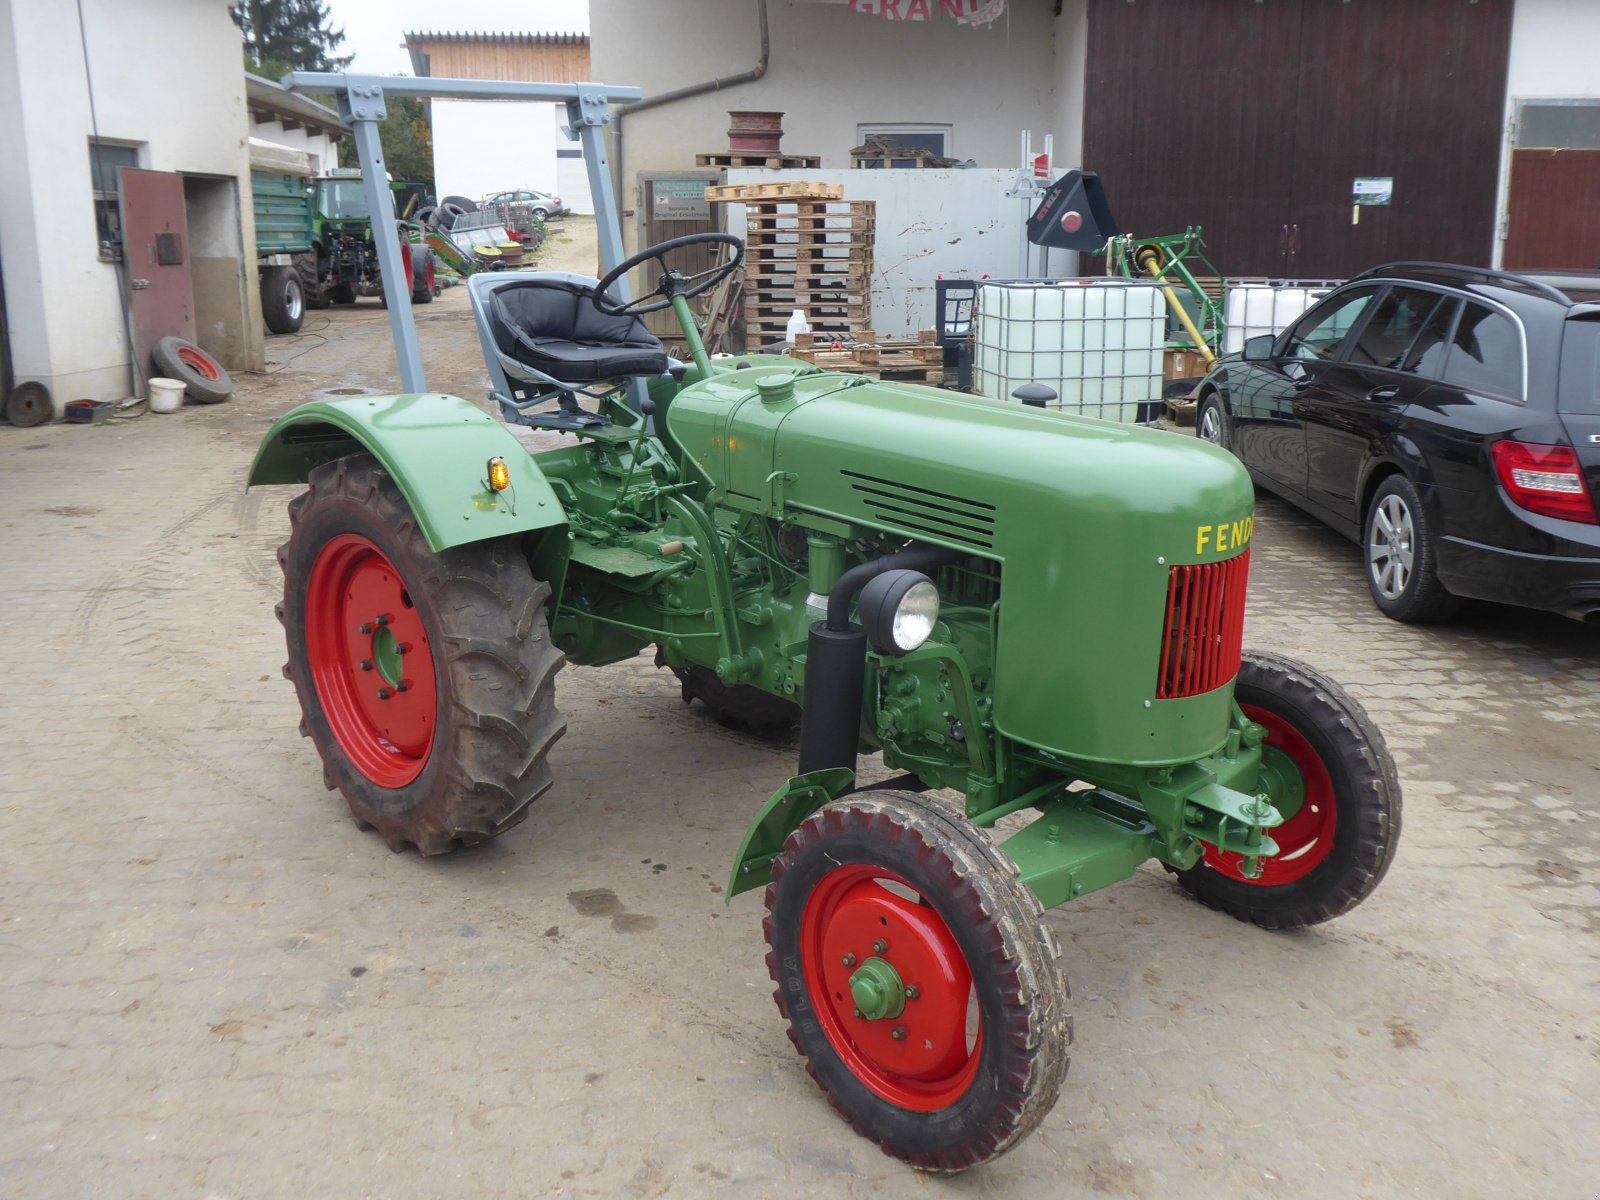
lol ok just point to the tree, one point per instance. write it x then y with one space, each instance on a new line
293 35
407 141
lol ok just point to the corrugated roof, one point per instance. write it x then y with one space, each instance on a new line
502 39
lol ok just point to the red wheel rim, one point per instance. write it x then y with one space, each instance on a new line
1306 837
370 661
934 1062
199 362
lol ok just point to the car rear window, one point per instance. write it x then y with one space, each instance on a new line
1580 365
1485 353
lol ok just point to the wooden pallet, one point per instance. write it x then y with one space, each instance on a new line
869 350
811 211
766 277
743 193
776 162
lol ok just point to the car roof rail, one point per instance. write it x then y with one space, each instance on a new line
1477 274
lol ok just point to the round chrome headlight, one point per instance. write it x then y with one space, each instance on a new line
899 610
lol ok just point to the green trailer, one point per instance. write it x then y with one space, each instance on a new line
284 224
1035 619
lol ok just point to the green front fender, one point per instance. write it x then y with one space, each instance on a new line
436 448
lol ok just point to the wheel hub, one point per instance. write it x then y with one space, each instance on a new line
878 992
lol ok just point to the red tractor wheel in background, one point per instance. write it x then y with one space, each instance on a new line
918 979
426 681
422 282
405 264
1328 772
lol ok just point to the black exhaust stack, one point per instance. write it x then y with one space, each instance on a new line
836 663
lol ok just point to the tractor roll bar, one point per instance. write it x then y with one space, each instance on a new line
362 106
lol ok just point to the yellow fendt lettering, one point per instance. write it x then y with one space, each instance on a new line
1202 535
1234 536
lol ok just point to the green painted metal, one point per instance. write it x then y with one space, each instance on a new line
780 816
282 213
436 448
878 991
1178 250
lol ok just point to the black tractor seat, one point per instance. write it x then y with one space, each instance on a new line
553 326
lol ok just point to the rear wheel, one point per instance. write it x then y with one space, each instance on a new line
1328 771
739 707
283 301
1210 422
918 979
1402 565
421 275
427 681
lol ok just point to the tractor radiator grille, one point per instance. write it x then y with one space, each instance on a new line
1204 628
920 510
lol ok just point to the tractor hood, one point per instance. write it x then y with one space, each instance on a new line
1087 518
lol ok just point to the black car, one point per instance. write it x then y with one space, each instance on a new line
1448 419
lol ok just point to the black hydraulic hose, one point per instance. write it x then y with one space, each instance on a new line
916 558
683 93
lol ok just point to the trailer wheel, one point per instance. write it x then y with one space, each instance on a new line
283 301
203 377
1329 772
426 681
305 266
918 979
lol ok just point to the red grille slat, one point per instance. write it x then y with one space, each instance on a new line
1203 634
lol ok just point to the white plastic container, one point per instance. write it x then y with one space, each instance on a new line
1097 342
798 324
166 395
1253 308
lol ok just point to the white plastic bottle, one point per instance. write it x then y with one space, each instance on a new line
798 323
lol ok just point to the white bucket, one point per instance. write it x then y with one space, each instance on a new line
166 395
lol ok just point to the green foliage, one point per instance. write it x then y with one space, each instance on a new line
289 35
407 141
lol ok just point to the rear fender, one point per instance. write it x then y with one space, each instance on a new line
436 448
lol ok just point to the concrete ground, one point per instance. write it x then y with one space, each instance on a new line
213 985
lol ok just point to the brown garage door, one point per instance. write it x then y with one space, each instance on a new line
1255 120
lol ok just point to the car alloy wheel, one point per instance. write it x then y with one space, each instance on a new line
1391 547
1210 426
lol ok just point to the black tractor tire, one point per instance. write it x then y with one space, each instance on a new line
464 203
976 1097
741 707
283 300
305 266
422 284
1419 598
474 620
1329 862
1211 421
342 293
203 377
446 215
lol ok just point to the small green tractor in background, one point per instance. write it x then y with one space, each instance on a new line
346 259
1038 613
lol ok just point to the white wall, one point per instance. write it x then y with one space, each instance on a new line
66 322
323 150
572 174
959 223
832 69
1552 58
482 146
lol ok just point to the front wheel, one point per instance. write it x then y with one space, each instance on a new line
918 979
426 681
1327 770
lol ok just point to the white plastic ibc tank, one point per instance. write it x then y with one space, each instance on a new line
1252 309
1098 343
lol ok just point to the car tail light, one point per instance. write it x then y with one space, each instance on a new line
1204 630
1543 479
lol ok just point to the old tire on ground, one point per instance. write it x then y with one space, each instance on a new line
427 681
464 203
203 377
305 266
977 1055
1328 770
739 707
1401 560
283 300
421 275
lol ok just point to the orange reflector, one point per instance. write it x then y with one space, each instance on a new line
499 475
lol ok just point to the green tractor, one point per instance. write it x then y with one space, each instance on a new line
1037 613
346 257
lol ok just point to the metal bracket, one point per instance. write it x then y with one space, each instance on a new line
363 102
589 108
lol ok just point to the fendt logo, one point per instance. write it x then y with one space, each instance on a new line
1223 537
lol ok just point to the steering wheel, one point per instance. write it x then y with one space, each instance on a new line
671 283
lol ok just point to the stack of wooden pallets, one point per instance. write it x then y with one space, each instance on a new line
807 249
910 360
744 158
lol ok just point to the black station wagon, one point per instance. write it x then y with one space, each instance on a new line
1448 419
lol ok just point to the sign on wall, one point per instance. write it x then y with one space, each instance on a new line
967 12
680 200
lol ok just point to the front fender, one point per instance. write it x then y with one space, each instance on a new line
780 816
436 448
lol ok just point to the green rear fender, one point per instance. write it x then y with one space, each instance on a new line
436 448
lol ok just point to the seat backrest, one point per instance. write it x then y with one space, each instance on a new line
562 309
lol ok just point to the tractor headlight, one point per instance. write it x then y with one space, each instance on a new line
899 610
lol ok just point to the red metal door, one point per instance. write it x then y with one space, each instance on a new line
155 245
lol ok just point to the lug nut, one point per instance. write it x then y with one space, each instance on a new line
912 991
849 960
402 686
383 619
365 628
880 946
858 1012
898 1033
384 693
403 648
366 664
